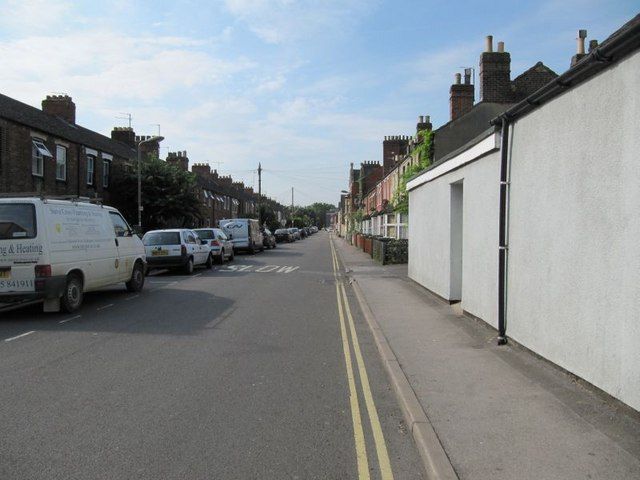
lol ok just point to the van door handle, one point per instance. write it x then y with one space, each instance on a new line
117 244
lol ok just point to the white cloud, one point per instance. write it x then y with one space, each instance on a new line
104 66
32 15
279 21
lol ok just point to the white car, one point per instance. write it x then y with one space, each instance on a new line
176 248
56 250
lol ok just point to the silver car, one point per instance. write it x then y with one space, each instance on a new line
221 246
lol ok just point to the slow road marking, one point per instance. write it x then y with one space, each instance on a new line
258 269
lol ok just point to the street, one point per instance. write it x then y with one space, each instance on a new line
250 370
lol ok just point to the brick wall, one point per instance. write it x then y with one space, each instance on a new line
16 166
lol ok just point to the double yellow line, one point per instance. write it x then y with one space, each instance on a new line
374 420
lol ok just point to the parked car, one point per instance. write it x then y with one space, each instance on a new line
314 229
176 248
56 250
269 239
221 246
244 233
296 233
284 235
303 233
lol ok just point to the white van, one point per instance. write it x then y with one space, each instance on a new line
57 249
244 233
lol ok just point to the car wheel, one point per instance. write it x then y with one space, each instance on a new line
232 255
188 268
72 296
137 278
220 258
252 249
209 263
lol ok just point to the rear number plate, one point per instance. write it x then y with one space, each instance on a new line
5 273
159 253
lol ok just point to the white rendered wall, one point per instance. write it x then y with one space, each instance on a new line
574 233
429 235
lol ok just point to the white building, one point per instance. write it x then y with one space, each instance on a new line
570 287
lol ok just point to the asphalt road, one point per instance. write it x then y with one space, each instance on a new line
236 373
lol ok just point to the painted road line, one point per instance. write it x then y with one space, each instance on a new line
103 307
358 432
376 427
69 319
374 420
196 275
356 416
19 336
131 298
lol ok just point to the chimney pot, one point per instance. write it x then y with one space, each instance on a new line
582 34
488 44
457 77
501 47
593 44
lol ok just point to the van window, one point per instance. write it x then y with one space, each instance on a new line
17 220
119 224
161 238
205 234
190 237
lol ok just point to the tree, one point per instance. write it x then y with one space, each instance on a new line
169 195
316 213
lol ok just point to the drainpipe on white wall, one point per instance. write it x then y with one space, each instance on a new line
503 246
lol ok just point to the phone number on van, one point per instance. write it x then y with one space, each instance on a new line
16 284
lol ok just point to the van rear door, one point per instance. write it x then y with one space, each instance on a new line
20 247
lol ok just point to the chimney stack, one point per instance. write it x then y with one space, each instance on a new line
201 169
60 106
582 35
124 135
391 146
179 160
495 74
424 123
461 96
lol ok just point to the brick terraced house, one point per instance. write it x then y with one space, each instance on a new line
46 152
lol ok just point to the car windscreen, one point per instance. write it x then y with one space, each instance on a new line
161 238
281 232
17 220
206 234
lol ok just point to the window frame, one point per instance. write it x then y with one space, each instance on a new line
38 156
60 164
106 172
90 179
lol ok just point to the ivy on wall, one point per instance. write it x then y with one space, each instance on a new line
423 153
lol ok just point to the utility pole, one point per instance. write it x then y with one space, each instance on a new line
260 193
292 206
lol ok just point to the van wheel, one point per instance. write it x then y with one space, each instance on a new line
72 296
188 268
209 263
137 278
252 249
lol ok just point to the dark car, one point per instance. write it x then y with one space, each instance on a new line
283 235
304 233
268 239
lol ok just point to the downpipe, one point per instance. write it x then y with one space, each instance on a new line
503 247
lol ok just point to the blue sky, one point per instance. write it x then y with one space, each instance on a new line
304 87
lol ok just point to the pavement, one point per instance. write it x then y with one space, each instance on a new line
258 369
498 412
